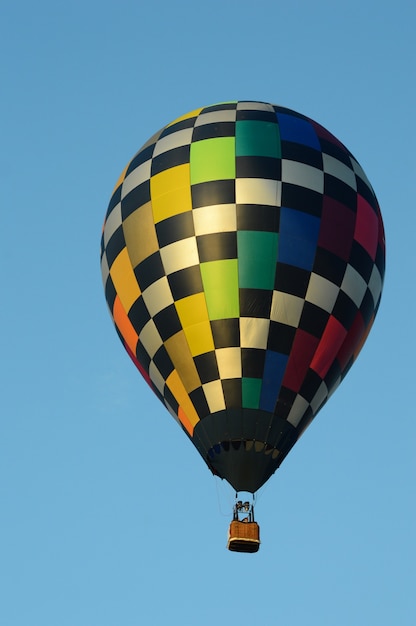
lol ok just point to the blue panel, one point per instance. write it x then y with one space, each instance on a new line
274 370
298 238
297 130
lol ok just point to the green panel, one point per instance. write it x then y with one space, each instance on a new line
220 280
251 392
257 256
256 138
212 159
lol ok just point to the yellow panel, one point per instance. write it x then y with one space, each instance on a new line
178 350
170 192
192 310
140 234
199 337
175 385
124 280
186 116
124 325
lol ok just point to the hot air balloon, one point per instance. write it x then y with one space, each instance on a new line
243 261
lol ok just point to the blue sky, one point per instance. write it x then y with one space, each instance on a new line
108 516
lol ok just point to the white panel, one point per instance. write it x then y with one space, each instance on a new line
339 170
150 338
173 140
158 296
138 176
302 175
217 218
322 292
229 362
156 377
214 395
113 221
354 285
254 106
258 191
254 332
286 308
375 285
213 117
298 410
319 398
104 268
180 254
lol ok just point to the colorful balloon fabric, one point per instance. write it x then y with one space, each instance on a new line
243 260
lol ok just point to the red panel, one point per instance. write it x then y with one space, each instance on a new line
352 341
337 228
332 340
302 352
366 227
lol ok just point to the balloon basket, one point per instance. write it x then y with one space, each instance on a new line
243 536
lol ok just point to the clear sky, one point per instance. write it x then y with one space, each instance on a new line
108 516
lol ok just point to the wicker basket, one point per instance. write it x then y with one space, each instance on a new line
243 536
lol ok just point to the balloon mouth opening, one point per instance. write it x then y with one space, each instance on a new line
246 445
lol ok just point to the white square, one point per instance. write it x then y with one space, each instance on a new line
150 338
254 332
310 177
354 285
112 222
180 254
229 362
217 218
215 396
322 292
157 296
298 410
138 176
173 140
286 309
375 285
258 191
339 170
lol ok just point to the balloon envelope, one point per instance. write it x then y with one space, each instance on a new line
243 260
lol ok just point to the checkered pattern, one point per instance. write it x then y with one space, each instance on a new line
243 262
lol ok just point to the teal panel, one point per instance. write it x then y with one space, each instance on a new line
251 392
257 256
256 138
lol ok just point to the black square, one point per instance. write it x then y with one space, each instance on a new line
135 199
281 337
213 130
167 322
110 293
301 198
149 271
199 401
252 362
163 362
139 315
217 246
329 266
258 167
232 388
291 279
313 319
344 310
175 228
207 368
258 217
213 192
142 356
186 282
170 158
310 385
337 189
302 154
361 261
255 303
115 245
284 403
226 333
141 157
